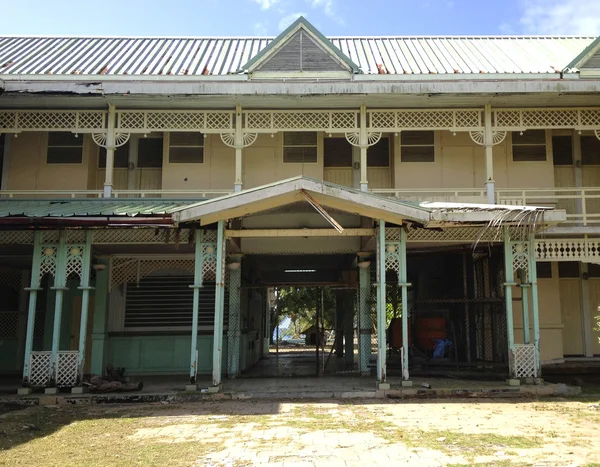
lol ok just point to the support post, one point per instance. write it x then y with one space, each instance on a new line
525 287
110 151
219 307
60 285
339 323
348 305
489 155
534 304
33 293
85 303
403 279
235 325
364 184
100 318
268 332
381 307
587 318
239 144
508 285
198 265
364 317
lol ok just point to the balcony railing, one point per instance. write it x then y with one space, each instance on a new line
582 205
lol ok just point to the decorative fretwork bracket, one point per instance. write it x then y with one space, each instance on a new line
597 133
120 139
247 139
478 137
373 138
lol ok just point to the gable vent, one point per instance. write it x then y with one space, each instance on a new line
302 54
593 61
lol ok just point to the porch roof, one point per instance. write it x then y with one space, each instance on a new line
366 204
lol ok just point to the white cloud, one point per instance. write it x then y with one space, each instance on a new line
266 4
260 29
289 19
328 9
558 17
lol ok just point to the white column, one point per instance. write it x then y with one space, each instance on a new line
239 144
488 138
110 151
363 141
85 301
219 307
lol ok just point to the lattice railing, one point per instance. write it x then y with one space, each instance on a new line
524 361
9 324
138 236
66 372
267 121
39 368
146 121
426 119
546 118
77 121
579 249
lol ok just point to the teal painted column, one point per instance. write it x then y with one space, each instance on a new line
525 287
535 303
234 322
403 282
101 302
381 306
85 302
219 306
198 279
364 316
33 291
59 286
508 285
267 340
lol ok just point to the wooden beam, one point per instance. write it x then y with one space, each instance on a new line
260 233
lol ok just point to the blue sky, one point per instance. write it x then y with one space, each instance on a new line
332 17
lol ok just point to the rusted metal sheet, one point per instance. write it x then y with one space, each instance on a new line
184 56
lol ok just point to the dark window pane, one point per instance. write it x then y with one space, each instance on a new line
544 270
562 150
299 154
416 137
590 150
186 139
594 270
300 138
568 269
529 137
183 155
121 157
64 138
338 152
379 154
417 154
533 153
150 152
64 155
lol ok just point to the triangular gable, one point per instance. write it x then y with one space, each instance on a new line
300 50
588 61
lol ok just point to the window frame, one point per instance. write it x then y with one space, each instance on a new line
433 145
547 144
203 136
80 139
284 146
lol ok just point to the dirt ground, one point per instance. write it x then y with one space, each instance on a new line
325 433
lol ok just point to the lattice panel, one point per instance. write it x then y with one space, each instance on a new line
234 325
49 257
520 255
392 257
467 234
9 324
129 269
209 236
39 368
590 118
308 120
182 120
514 119
122 271
16 237
524 361
389 120
83 121
11 279
139 236
50 236
209 261
76 236
66 374
150 266
75 255
392 234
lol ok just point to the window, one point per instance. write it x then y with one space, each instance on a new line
529 146
544 270
300 147
568 269
337 152
593 270
186 148
590 150
562 150
417 146
64 148
121 158
150 153
378 155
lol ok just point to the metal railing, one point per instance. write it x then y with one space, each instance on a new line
81 194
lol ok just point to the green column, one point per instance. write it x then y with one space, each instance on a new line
33 291
403 282
267 341
198 265
508 285
525 286
85 302
535 304
234 328
364 317
59 286
101 302
381 306
219 306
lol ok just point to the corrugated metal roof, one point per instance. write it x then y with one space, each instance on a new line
92 207
156 56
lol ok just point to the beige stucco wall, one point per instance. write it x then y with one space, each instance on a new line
28 169
551 328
